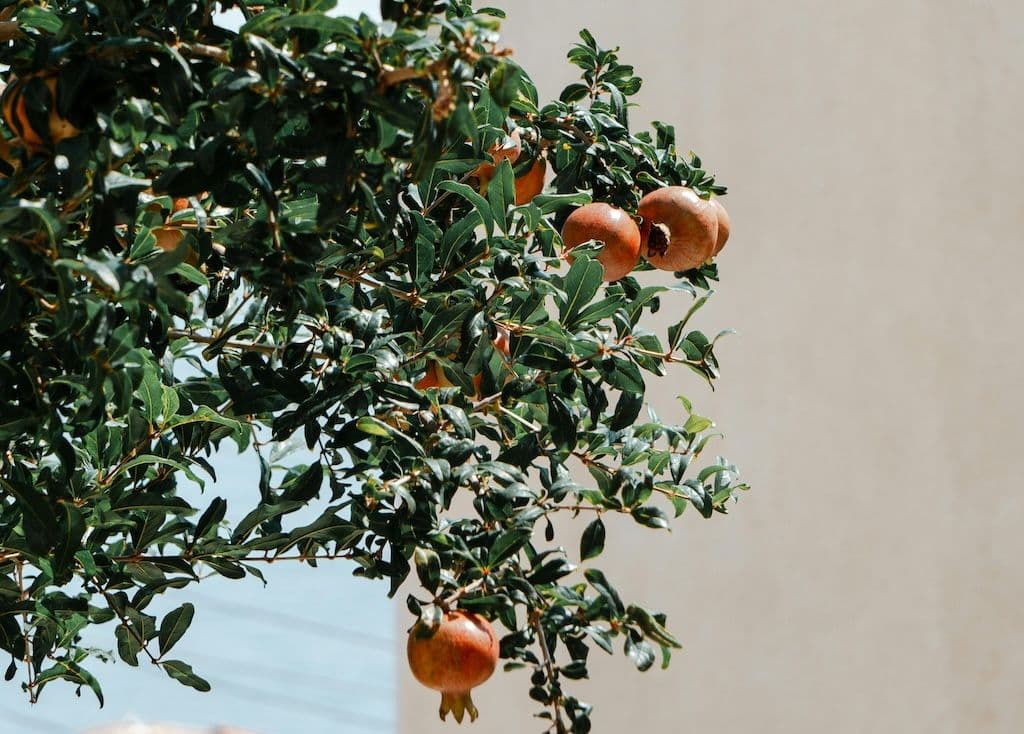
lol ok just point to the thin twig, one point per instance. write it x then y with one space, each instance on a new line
143 644
26 638
270 349
549 665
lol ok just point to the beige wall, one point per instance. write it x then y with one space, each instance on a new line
872 582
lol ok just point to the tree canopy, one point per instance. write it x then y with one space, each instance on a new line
244 240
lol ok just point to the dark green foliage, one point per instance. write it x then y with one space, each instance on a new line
335 243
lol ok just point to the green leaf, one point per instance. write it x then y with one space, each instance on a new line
373 426
151 392
145 459
444 322
262 514
39 523
592 540
169 403
501 194
210 518
174 625
651 517
182 672
696 424
651 627
597 579
580 286
551 203
128 646
479 203
71 528
454 236
507 545
627 409
677 330
306 486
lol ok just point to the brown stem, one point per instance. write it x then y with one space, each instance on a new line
143 644
22 596
9 30
103 481
413 298
449 600
549 665
243 346
205 51
241 559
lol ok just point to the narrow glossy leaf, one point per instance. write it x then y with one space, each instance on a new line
696 424
550 203
128 646
604 588
147 459
71 528
183 673
652 517
501 194
211 517
592 540
507 545
580 286
151 392
306 486
627 408
479 203
174 625
651 627
39 522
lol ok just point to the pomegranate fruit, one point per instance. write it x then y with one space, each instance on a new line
453 658
531 183
435 376
679 230
16 115
724 227
611 226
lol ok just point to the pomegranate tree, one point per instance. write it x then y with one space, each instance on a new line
370 239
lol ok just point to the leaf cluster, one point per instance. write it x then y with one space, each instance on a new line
333 242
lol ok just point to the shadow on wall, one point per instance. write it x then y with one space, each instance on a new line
138 728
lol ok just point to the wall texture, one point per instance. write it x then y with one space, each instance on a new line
872 582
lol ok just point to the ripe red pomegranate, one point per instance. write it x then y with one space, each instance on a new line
724 226
679 230
610 226
454 657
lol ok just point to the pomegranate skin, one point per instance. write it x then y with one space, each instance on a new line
679 231
453 658
611 226
724 225
531 183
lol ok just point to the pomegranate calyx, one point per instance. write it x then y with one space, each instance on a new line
458 703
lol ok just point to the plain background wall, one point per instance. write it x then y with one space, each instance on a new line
872 581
